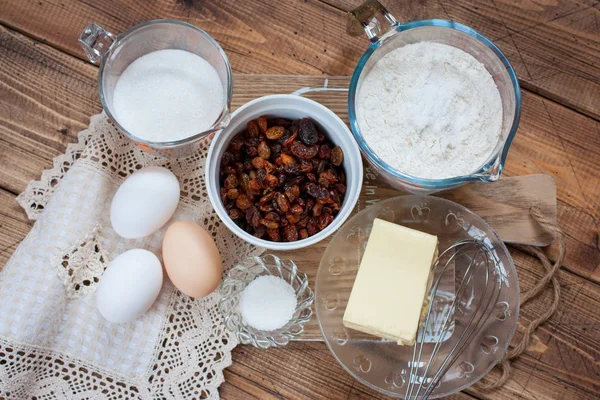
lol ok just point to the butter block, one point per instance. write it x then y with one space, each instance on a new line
392 282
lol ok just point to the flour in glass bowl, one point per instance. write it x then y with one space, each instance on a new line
430 110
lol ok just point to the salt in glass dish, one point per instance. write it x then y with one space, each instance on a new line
236 281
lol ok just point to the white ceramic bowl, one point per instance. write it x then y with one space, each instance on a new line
292 107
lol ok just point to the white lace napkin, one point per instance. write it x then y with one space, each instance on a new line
53 342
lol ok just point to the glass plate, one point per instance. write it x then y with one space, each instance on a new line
381 364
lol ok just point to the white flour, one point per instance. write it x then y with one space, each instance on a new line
430 111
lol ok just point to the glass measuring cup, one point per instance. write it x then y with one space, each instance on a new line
114 53
387 34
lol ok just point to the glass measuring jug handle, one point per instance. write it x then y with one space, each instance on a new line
96 41
372 18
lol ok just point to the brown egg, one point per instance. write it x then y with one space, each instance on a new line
191 259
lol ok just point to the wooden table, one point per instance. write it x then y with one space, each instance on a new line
48 92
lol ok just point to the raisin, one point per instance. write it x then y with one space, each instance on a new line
236 213
243 181
302 151
305 166
251 151
303 233
273 217
231 181
259 231
253 130
324 152
247 166
233 193
254 186
267 198
274 234
334 196
324 182
269 224
261 177
316 210
337 156
311 226
307 132
282 202
327 178
264 151
272 181
321 138
223 193
227 158
258 162
243 202
321 167
275 132
291 233
282 178
316 191
236 144
239 167
275 150
294 181
262 123
303 222
293 193
310 203
287 159
292 169
292 218
324 220
269 168
311 177
288 139
267 207
230 169
296 209
340 187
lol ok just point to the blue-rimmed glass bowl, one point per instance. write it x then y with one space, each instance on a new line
386 35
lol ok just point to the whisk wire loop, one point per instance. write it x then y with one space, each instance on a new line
483 258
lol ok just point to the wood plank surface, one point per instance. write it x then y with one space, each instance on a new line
47 94
553 45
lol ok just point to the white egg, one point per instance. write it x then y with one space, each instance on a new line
144 202
129 286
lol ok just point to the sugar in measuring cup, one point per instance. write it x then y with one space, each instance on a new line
386 34
165 84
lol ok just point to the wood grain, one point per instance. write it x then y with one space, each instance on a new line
553 45
46 96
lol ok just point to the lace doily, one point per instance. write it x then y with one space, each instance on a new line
53 342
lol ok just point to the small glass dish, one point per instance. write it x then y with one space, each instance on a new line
236 281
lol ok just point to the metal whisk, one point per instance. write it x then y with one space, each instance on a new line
483 275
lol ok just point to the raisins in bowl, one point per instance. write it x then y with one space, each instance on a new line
282 180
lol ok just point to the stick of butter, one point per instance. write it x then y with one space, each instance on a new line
391 283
